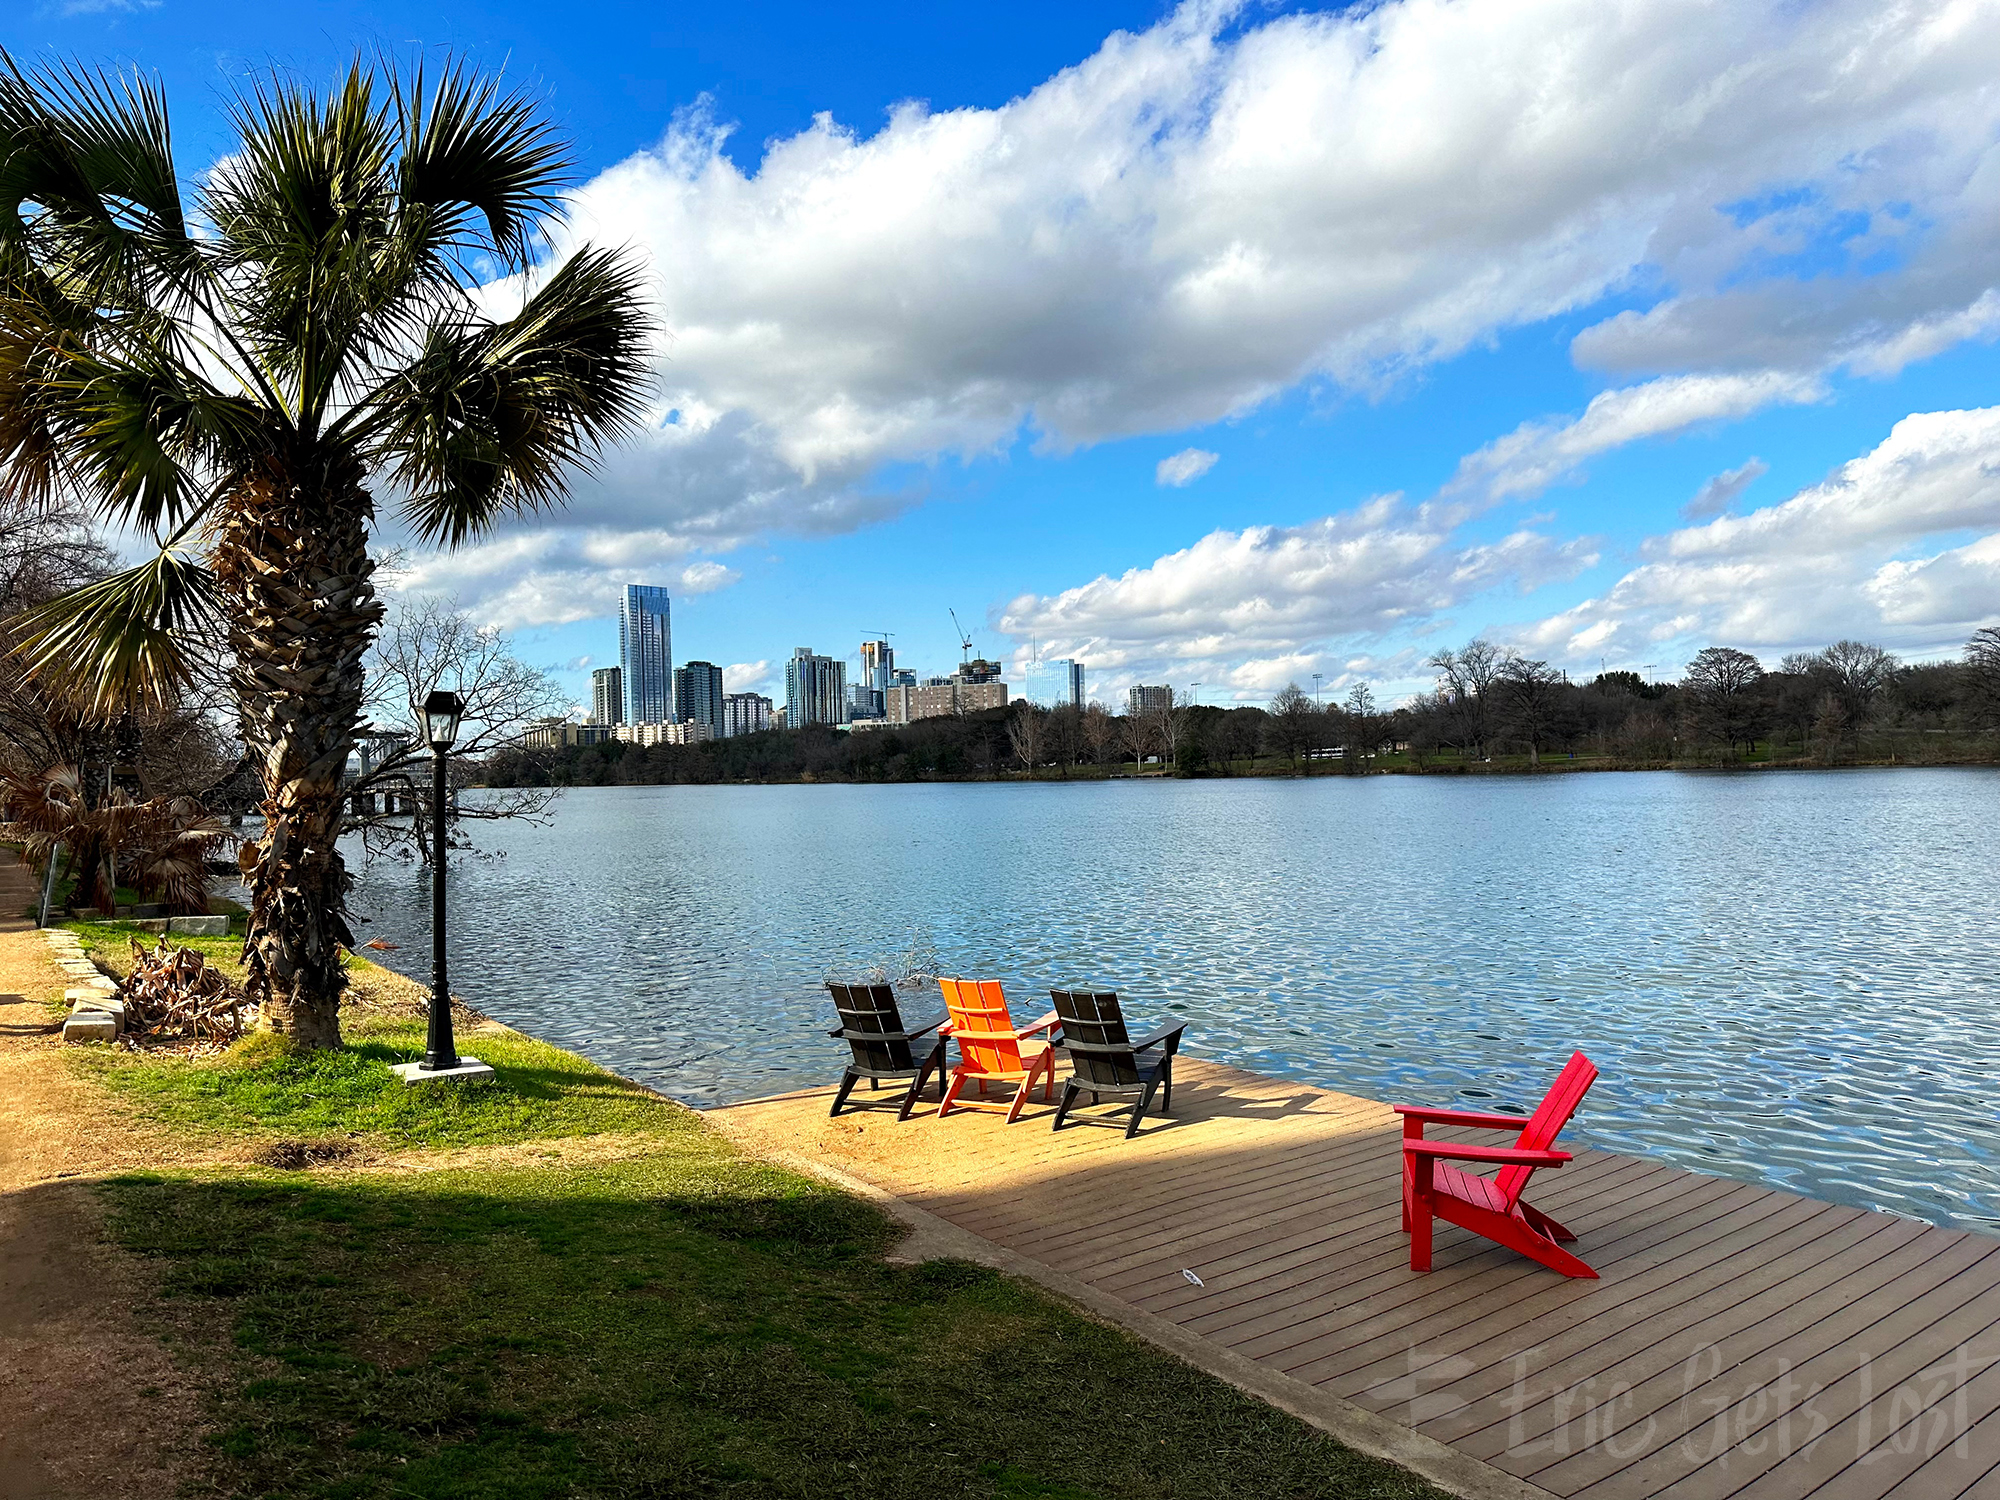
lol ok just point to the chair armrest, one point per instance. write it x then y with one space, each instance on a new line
931 1025
1462 1117
1169 1034
1503 1155
838 1031
1046 1023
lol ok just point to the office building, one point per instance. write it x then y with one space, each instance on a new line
815 689
562 734
687 732
973 687
745 713
901 677
1074 675
607 696
878 669
698 696
1140 701
646 654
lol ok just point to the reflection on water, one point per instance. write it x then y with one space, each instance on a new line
1785 977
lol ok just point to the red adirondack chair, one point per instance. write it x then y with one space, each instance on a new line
1491 1206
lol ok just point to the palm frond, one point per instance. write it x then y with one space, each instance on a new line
123 640
89 156
489 418
470 149
304 214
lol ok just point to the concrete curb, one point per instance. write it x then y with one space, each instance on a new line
1364 1431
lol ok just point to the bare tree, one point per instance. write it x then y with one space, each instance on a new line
1025 732
1465 690
1721 685
1982 666
1135 733
1100 731
1860 674
426 644
1292 722
1529 697
1361 724
1065 736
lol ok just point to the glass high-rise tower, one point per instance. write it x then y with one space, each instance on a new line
646 654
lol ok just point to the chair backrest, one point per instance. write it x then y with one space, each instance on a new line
870 1010
1093 1029
981 1026
1546 1123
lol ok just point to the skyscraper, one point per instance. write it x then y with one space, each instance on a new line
698 695
607 696
745 713
815 689
1143 700
878 670
646 653
1075 683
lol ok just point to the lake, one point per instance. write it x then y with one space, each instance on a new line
1785 977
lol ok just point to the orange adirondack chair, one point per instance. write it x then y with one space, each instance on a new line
1492 1206
992 1049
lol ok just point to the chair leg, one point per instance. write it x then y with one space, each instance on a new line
938 1061
916 1089
1167 1084
1026 1087
1418 1170
944 1104
847 1082
1139 1109
1070 1091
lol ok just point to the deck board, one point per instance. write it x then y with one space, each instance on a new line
1741 1342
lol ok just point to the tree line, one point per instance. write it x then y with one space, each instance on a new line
1850 702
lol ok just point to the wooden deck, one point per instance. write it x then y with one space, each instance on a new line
1741 1342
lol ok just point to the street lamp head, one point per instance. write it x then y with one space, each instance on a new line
441 715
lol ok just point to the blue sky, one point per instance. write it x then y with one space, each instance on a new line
1464 320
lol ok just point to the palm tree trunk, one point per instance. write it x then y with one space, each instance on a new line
293 561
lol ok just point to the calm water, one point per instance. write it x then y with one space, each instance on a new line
1785 977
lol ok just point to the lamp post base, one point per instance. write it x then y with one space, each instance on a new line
416 1072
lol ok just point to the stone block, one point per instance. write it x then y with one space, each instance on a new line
200 926
94 997
153 924
468 1068
91 1026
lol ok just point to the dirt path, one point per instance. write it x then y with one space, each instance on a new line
90 1406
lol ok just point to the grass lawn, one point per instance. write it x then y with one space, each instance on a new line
654 1315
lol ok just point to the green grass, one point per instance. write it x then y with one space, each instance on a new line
263 1086
692 1323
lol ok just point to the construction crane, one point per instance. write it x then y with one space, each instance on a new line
964 640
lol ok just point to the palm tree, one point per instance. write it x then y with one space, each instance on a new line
237 378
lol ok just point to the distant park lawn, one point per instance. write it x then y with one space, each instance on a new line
645 1312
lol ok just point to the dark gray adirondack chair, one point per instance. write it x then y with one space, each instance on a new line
1105 1060
872 1026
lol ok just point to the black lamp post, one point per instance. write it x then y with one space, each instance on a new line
441 715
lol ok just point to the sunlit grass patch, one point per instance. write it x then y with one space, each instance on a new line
265 1086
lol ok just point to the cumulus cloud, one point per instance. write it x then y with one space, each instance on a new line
1537 454
706 577
1182 469
1718 493
1831 560
749 677
1208 212
1254 608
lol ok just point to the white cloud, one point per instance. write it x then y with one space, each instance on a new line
1255 607
706 577
1182 469
1207 213
747 677
1720 492
1833 560
1537 454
